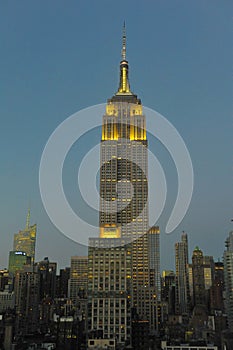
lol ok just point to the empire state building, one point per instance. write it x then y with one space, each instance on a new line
119 260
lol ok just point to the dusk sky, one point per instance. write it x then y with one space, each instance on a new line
58 57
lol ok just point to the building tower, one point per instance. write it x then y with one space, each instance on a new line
25 240
78 278
47 274
217 289
182 276
154 260
199 295
123 177
119 259
27 283
228 279
167 289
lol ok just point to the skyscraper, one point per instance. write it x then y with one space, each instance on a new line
199 295
217 289
123 178
228 278
154 260
182 276
47 274
27 284
209 270
119 260
25 240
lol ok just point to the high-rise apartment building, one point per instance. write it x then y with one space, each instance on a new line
25 240
182 276
228 278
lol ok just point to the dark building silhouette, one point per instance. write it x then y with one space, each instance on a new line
182 305
27 296
47 275
199 295
62 283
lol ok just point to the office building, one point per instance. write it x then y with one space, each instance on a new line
27 296
209 271
17 260
124 261
217 289
123 177
182 305
228 279
168 282
5 279
154 260
47 275
25 240
7 301
62 284
199 295
109 288
78 278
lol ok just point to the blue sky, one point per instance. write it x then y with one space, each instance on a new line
58 57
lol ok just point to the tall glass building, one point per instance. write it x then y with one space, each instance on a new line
17 260
25 240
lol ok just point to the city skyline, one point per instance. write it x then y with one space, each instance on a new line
35 113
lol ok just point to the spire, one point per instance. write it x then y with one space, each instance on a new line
123 51
124 88
28 219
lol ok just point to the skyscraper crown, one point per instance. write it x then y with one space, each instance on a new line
124 94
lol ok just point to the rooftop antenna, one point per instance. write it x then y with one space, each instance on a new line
28 218
123 51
